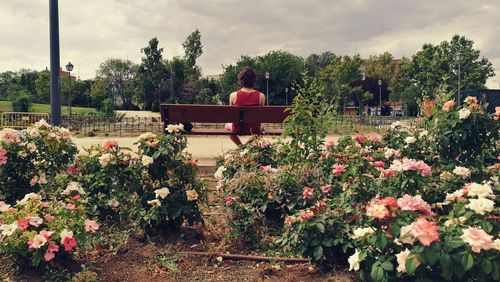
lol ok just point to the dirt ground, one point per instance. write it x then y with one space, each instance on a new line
162 258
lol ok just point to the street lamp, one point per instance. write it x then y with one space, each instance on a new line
267 87
286 96
380 95
459 57
69 68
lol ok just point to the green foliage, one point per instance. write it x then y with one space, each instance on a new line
151 72
192 51
118 75
22 103
42 85
107 108
206 96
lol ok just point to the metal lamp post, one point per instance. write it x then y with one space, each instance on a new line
69 68
380 95
55 90
459 57
267 87
286 96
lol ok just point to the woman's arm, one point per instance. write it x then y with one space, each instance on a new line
262 99
231 98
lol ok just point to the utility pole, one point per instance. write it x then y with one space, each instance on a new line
55 64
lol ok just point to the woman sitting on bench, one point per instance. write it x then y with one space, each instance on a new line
246 96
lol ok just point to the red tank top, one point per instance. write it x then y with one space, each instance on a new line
247 99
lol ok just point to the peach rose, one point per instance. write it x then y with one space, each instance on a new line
425 231
477 239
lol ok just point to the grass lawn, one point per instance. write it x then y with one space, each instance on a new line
5 106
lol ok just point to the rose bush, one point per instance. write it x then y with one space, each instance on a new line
29 157
396 207
37 231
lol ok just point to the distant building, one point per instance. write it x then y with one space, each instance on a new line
66 74
215 77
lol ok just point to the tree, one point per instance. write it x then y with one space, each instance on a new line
151 73
42 86
119 75
23 102
315 63
193 50
382 66
436 65
206 96
337 78
98 93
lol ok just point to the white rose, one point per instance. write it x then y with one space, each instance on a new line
496 244
8 229
405 235
361 232
42 123
461 171
481 191
105 159
481 205
354 261
28 197
410 140
174 128
219 173
192 195
31 147
464 113
162 193
4 207
155 202
65 234
147 160
73 186
401 258
423 133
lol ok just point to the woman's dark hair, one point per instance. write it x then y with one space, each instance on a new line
247 77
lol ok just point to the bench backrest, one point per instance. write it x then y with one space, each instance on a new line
171 113
222 113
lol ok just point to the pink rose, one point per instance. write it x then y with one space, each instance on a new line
307 193
229 201
91 226
477 239
409 203
338 169
360 138
326 188
70 207
110 144
375 138
72 170
377 211
306 214
448 105
48 217
69 243
23 224
425 231
388 173
329 144
369 158
50 253
380 164
3 156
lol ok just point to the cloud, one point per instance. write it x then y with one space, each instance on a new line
94 30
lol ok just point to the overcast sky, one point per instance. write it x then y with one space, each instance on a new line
93 30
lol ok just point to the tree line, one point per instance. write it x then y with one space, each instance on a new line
346 80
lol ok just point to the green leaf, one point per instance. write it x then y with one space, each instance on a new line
487 266
318 252
315 242
387 265
411 265
327 242
487 226
431 256
467 261
445 261
381 240
320 227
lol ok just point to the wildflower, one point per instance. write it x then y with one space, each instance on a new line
425 231
477 239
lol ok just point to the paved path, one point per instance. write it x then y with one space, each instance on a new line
203 148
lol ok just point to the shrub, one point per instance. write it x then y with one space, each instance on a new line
29 157
37 231
22 102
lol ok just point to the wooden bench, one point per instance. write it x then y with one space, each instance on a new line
177 113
